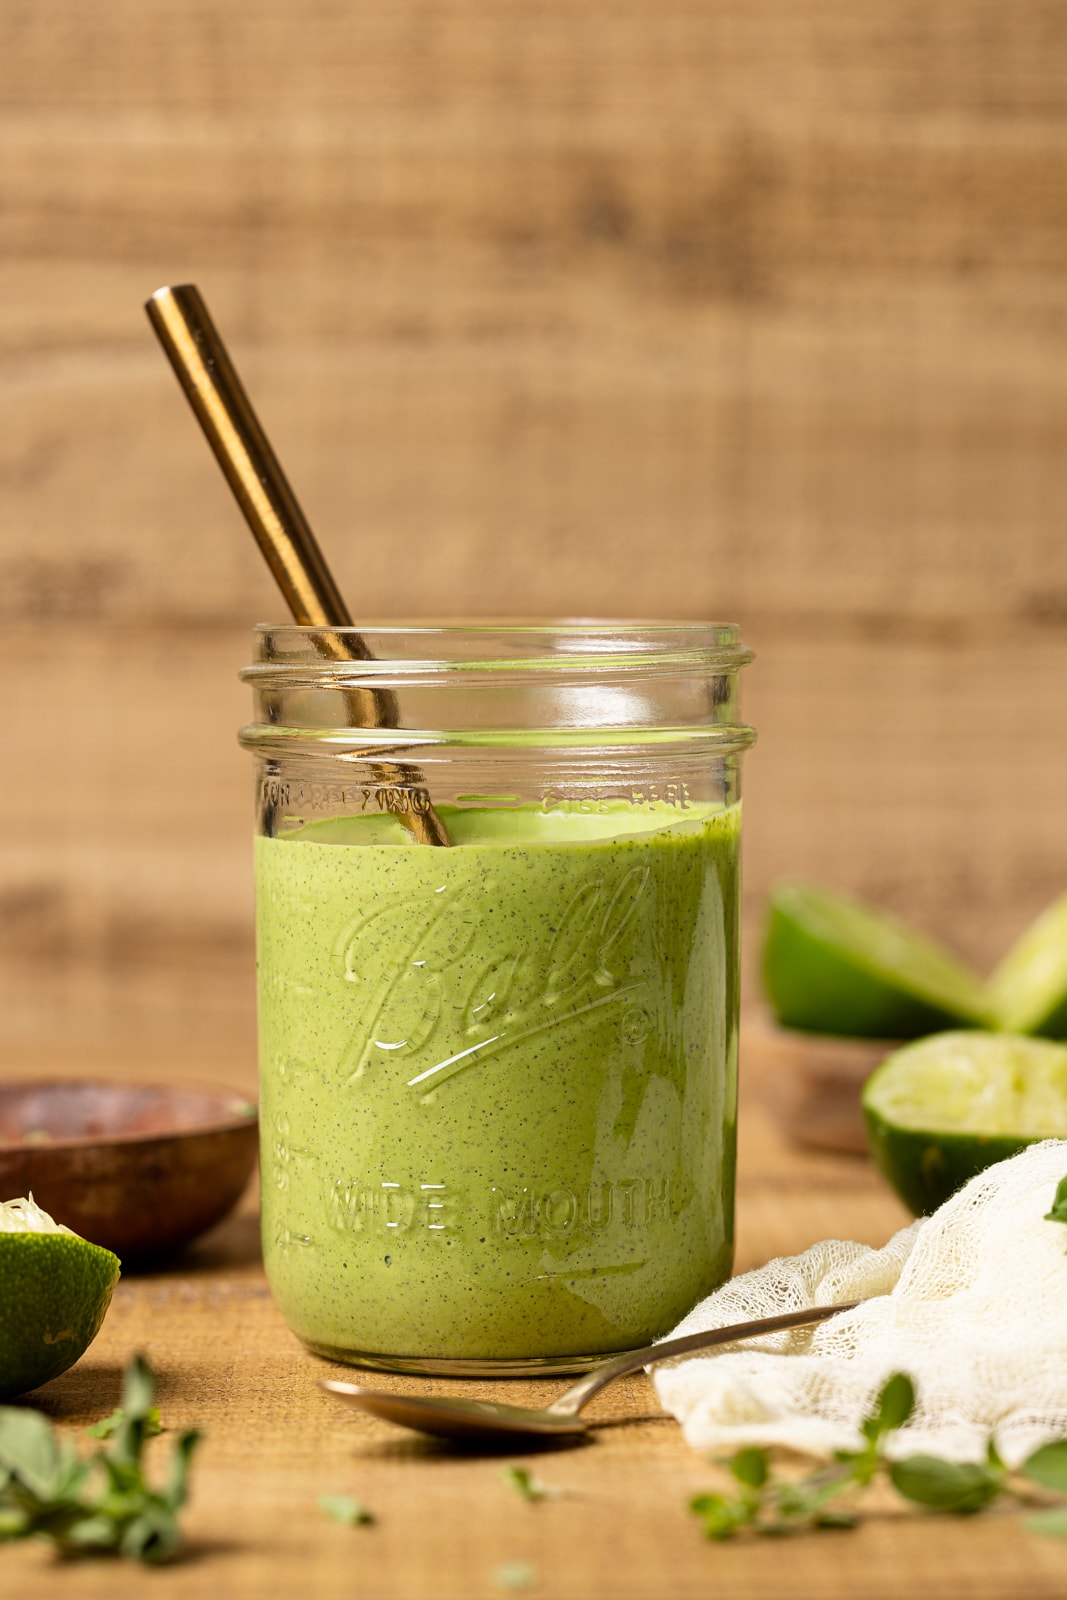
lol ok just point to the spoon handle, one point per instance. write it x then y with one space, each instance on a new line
202 365
573 1399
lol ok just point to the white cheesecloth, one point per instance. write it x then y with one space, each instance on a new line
971 1304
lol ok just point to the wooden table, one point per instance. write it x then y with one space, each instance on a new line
446 1524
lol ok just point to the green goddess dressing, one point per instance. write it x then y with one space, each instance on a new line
498 1081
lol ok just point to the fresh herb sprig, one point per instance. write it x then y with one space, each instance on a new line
101 1504
764 1504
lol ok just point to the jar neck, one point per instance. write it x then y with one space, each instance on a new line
547 684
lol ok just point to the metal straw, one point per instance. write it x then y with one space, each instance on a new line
203 367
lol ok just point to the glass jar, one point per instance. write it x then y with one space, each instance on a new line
498 1075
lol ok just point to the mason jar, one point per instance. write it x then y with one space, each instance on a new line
497 939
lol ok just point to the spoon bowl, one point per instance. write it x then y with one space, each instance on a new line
491 1423
468 1421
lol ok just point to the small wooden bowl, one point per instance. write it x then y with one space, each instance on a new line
139 1168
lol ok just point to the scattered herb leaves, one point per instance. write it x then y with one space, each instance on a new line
765 1504
342 1508
102 1504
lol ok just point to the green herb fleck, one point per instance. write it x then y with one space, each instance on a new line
522 1480
342 1508
515 1575
100 1505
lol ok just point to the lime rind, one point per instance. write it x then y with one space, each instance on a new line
834 965
56 1288
1028 990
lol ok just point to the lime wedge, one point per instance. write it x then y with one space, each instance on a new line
832 965
1028 990
943 1109
55 1289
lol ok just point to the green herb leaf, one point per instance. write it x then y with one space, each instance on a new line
1059 1204
750 1467
1051 1523
523 1481
342 1508
108 1426
176 1488
28 1449
722 1517
151 1536
956 1486
92 1533
894 1406
138 1387
1048 1466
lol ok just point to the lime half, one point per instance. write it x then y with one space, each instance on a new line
943 1109
1028 990
54 1289
832 965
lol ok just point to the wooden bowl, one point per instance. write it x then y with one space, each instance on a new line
139 1168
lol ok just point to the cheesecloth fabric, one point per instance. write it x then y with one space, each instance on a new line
970 1302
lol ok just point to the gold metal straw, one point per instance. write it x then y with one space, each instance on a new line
203 367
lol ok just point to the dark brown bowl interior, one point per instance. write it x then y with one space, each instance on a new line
139 1168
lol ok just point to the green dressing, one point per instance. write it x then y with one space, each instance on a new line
498 1081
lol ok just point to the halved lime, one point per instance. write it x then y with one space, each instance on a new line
54 1291
833 965
943 1109
1028 990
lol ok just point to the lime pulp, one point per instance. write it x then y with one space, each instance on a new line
941 1110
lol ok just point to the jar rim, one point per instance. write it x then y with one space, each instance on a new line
494 646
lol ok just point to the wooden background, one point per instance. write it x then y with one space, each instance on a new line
753 309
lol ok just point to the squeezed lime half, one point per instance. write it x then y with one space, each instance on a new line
834 965
1028 990
55 1288
943 1109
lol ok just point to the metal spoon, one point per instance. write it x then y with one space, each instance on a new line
490 1421
202 365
